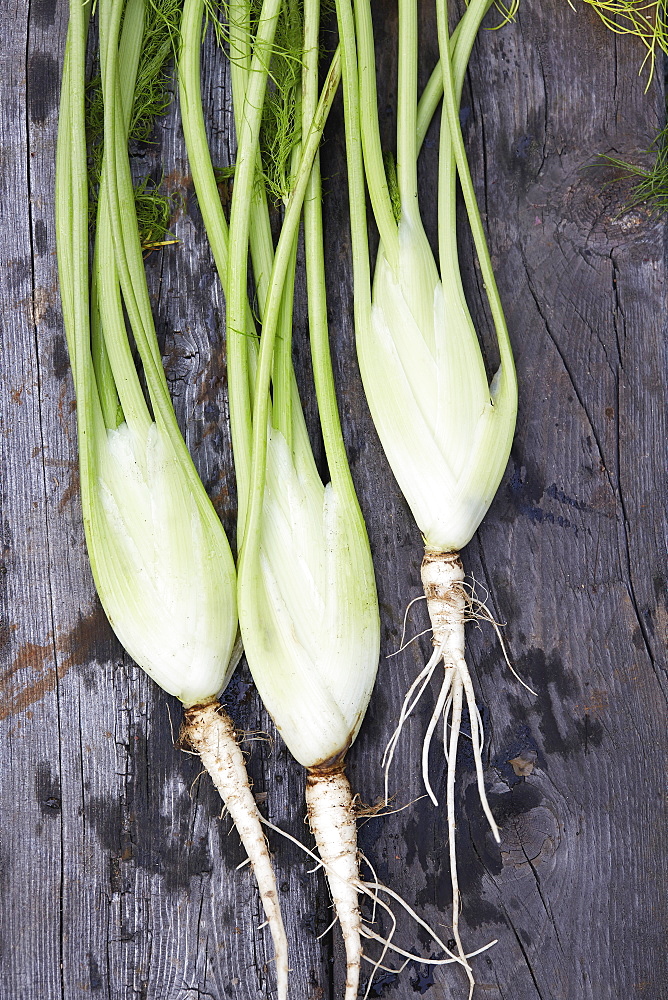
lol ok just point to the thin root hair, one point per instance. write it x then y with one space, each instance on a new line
373 812
385 968
171 724
255 736
329 926
484 614
197 776
371 935
372 890
423 679
441 702
363 857
403 630
405 645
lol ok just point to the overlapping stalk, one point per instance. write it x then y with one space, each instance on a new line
161 561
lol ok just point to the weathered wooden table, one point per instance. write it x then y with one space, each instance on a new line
118 875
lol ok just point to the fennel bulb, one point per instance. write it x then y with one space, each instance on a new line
308 611
445 431
307 600
159 559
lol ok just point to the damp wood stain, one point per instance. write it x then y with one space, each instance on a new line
66 406
176 180
212 376
36 660
72 488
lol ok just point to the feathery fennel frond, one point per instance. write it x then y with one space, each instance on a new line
647 20
150 100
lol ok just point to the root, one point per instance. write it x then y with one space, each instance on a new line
331 816
450 604
210 731
330 811
380 809
421 682
483 613
373 890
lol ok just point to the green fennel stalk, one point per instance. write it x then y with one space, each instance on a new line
307 599
445 431
160 559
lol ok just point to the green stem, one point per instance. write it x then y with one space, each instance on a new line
460 46
310 74
123 220
426 109
112 410
261 242
129 53
239 28
77 223
251 538
194 130
407 108
66 156
117 348
127 248
199 156
262 251
119 193
283 372
248 138
433 92
451 94
323 375
111 350
354 154
260 236
284 396
366 101
72 244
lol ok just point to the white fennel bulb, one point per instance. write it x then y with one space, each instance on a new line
445 431
162 564
308 609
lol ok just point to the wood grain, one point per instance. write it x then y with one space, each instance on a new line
118 874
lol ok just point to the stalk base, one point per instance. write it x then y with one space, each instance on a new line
329 802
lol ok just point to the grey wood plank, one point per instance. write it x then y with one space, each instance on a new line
119 874
553 552
30 790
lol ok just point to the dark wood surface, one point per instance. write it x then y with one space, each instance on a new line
119 879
